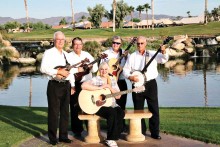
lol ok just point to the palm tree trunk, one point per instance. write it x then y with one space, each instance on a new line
73 21
132 24
205 12
152 13
27 19
147 19
114 11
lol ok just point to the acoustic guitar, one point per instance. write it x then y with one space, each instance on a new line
78 76
91 101
114 64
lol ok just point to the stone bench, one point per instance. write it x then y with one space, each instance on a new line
134 135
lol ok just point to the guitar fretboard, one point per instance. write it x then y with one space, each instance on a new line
118 93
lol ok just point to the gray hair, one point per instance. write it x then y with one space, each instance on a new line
102 64
116 37
56 33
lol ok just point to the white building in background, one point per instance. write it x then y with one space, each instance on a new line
167 22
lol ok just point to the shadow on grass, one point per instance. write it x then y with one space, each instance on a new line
24 118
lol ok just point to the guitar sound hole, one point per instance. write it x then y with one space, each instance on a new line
102 97
100 103
114 67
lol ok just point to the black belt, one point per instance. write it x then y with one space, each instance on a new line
149 81
62 82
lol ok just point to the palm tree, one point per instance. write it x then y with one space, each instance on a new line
27 19
147 6
152 13
73 20
131 10
188 12
216 13
140 8
114 5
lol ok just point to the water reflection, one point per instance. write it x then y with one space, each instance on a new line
181 82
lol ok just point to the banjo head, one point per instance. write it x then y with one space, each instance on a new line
141 78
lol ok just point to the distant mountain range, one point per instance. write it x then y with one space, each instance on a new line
55 20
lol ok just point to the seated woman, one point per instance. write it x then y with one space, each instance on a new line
113 114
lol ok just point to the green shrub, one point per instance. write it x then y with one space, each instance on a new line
93 47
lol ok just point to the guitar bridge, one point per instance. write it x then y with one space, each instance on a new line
92 98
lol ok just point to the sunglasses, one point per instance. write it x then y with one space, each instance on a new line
140 43
118 43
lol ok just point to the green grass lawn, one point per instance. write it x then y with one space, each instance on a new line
212 28
18 124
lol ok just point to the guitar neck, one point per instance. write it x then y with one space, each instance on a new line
118 93
74 65
119 59
93 62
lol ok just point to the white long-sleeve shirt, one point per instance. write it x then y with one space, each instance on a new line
136 61
74 58
52 58
111 54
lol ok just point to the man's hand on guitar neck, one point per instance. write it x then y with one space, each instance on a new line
85 68
163 49
133 78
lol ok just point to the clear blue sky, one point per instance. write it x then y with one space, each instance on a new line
52 8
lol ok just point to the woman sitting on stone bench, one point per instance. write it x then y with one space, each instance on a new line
113 114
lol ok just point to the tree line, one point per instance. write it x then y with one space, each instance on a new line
117 14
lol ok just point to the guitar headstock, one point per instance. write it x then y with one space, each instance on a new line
138 89
167 40
133 40
85 60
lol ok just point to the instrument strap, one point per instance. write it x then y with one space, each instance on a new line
67 63
120 53
147 59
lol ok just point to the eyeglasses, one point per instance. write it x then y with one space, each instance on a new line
140 43
60 39
78 44
118 43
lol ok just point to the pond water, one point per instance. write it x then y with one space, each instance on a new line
181 83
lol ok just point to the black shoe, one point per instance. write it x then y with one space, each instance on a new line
77 135
66 140
144 133
53 142
156 137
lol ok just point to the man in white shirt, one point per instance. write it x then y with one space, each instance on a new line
76 56
58 89
114 53
137 61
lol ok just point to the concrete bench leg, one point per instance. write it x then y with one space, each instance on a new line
94 135
135 133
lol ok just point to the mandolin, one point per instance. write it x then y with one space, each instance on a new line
68 68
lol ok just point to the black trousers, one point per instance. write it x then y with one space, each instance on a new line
76 123
151 96
58 96
123 100
114 117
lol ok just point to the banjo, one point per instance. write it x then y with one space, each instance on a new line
140 74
